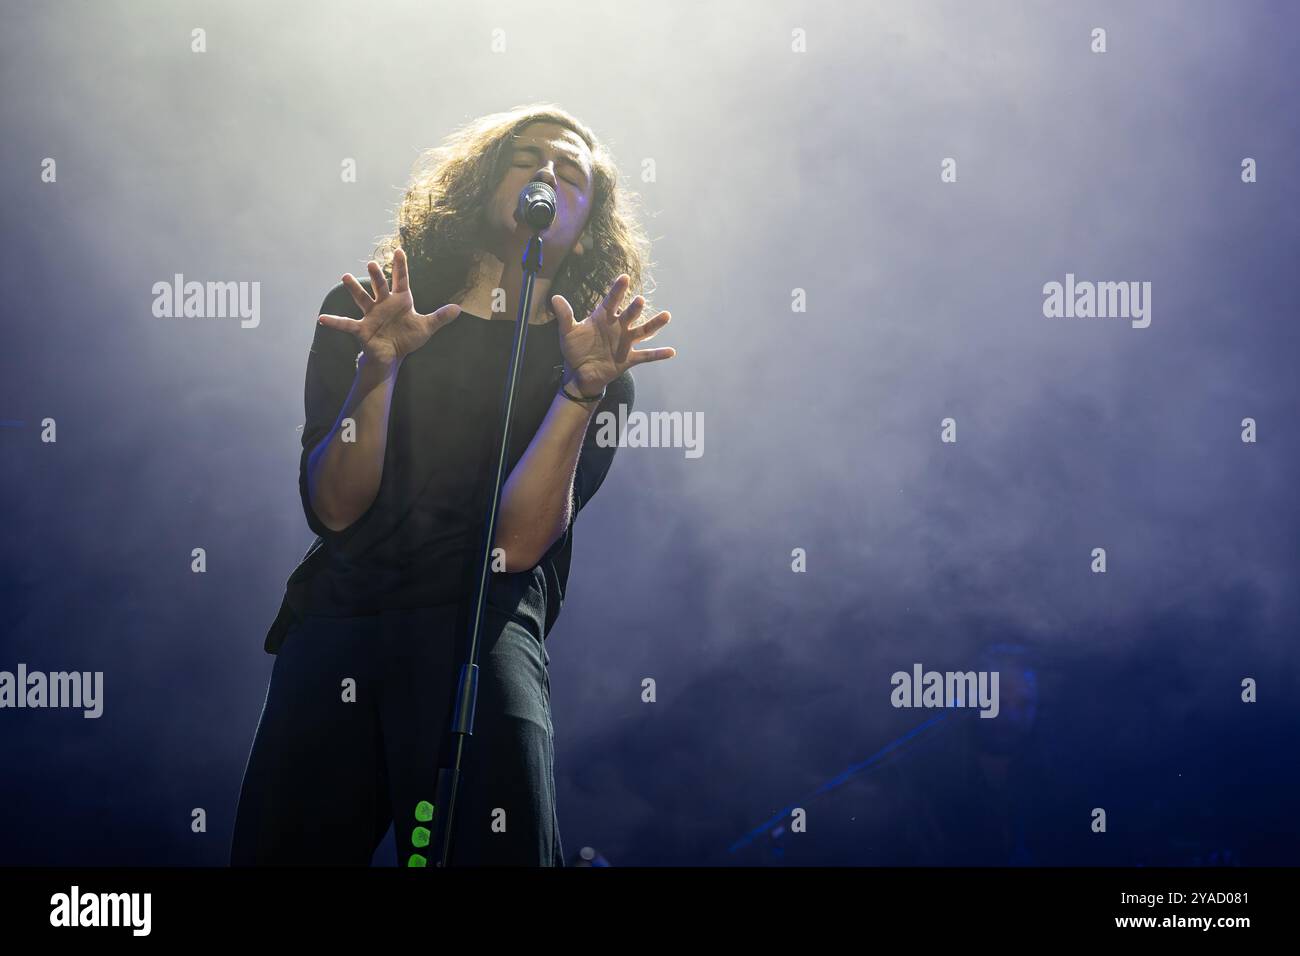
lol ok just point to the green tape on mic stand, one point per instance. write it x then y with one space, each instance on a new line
424 811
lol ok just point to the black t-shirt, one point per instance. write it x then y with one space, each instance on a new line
419 543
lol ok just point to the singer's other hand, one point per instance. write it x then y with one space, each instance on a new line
598 349
390 328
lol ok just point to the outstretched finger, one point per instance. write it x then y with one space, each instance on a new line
359 294
629 315
614 296
563 313
377 280
400 278
341 323
640 356
442 316
650 328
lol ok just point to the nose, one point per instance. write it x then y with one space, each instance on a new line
547 175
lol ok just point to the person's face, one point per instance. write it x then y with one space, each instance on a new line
555 155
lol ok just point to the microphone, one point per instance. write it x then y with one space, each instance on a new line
536 205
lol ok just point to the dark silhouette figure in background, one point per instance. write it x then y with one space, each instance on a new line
984 795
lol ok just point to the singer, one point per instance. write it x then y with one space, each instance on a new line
403 400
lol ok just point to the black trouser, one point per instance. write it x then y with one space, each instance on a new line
326 776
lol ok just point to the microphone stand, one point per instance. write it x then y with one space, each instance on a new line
462 723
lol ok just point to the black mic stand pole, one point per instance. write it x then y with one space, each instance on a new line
467 689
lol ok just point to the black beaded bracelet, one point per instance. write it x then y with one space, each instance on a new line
578 399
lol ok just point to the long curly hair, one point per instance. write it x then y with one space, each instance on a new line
439 221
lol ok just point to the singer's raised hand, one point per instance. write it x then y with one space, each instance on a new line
390 328
598 349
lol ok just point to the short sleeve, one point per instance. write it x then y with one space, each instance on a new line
596 457
331 369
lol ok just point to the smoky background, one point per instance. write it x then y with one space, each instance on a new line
774 171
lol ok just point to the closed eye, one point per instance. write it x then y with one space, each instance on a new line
528 164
